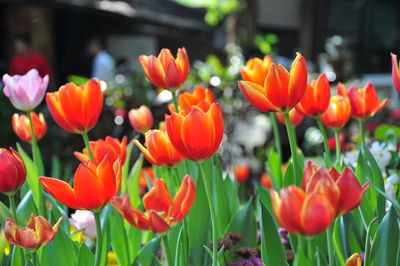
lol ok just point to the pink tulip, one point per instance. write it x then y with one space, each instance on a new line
25 92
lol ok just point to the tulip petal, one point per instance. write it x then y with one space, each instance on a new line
255 94
276 87
316 214
157 224
87 184
158 198
291 206
174 125
156 72
351 192
145 152
61 191
183 64
297 81
106 173
183 200
130 213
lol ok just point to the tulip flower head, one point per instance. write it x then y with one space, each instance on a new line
395 72
162 211
338 113
76 108
37 233
159 149
141 119
281 90
266 181
295 117
112 147
316 97
202 97
25 92
354 260
196 134
256 70
12 171
22 126
242 173
164 71
94 185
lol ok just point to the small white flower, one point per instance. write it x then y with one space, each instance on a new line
84 220
351 158
390 184
381 154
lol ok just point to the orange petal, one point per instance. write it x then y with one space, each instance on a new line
351 192
105 172
174 129
297 81
157 224
145 152
158 198
130 213
255 94
182 62
156 72
290 211
89 188
316 214
183 200
277 87
61 191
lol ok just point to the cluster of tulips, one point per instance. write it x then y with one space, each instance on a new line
308 202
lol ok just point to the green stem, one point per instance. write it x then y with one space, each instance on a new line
99 239
277 137
34 258
329 242
293 147
87 145
368 243
362 131
338 150
167 250
13 208
212 213
325 137
310 250
175 101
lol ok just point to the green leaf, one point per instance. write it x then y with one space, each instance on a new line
245 224
125 167
272 250
275 168
386 241
382 131
61 251
337 244
85 256
133 182
26 207
147 253
119 239
135 240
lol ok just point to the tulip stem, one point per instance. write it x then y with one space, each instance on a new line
99 239
338 150
87 145
212 213
37 158
13 208
34 258
293 147
175 101
277 138
167 250
310 250
330 246
362 132
326 146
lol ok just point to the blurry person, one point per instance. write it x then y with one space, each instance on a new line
103 67
25 59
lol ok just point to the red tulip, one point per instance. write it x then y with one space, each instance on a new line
94 186
22 126
295 117
338 113
162 212
266 181
196 134
395 72
202 97
316 98
12 171
76 108
38 232
332 142
141 119
165 71
256 70
242 173
114 148
159 149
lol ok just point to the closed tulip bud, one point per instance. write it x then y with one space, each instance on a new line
316 97
25 92
162 212
242 173
354 260
37 233
266 181
165 71
295 117
202 97
395 72
76 108
94 185
338 113
141 119
159 149
196 134
12 171
22 126
112 147
256 70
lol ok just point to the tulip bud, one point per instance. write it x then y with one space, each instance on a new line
12 171
22 126
141 119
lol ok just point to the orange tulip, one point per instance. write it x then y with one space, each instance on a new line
100 148
38 232
266 181
338 113
76 108
196 134
159 149
242 173
22 126
343 190
202 97
395 72
94 186
281 90
162 212
301 213
141 118
316 98
146 172
354 260
256 70
295 117
12 171
165 71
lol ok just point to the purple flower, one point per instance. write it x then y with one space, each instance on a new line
248 262
25 92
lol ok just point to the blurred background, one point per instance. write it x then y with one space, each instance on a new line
349 40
